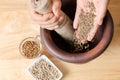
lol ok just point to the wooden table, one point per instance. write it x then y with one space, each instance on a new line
16 24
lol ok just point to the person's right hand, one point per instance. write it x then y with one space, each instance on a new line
49 20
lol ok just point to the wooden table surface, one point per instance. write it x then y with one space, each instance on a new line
16 24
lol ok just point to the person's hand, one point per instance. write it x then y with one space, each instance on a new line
100 12
49 20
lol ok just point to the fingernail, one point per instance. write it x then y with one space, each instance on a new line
56 12
76 26
100 22
61 18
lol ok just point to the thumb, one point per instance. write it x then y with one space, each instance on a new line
57 7
102 13
101 17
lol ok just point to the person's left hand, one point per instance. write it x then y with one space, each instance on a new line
100 12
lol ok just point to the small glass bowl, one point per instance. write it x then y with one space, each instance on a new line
37 41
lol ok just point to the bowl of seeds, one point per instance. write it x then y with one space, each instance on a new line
43 69
30 47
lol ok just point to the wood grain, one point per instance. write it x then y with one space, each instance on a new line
16 24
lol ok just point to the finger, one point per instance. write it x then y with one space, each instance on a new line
41 17
57 7
75 23
49 25
52 28
58 22
48 22
102 12
76 20
84 41
100 17
81 38
52 20
93 32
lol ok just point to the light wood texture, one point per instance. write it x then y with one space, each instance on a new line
16 24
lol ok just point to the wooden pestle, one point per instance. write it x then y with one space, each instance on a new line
65 30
